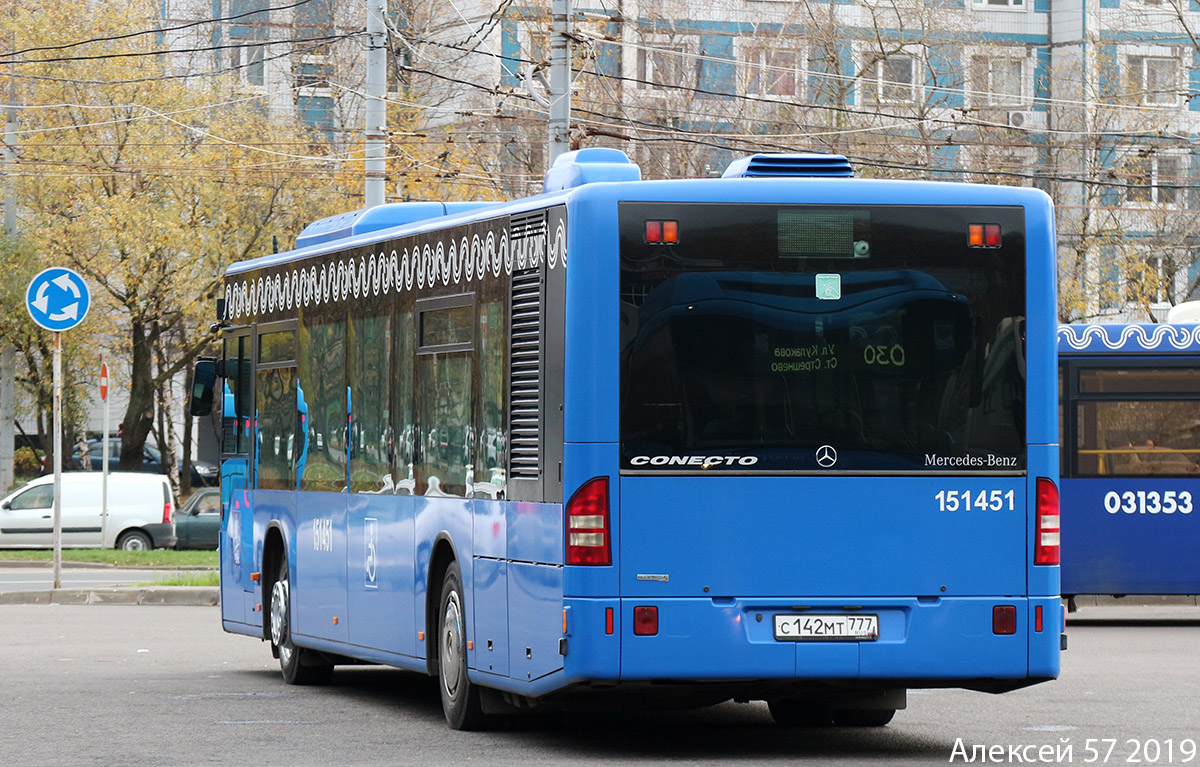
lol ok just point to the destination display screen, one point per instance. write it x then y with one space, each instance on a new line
764 334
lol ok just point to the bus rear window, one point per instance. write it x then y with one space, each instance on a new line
822 338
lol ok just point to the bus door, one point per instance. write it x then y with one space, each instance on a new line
237 521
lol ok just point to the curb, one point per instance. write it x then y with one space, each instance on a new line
205 596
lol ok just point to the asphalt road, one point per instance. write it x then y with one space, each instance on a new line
164 685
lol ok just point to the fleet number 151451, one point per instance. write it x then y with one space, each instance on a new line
982 500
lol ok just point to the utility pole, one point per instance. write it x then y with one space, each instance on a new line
8 357
560 79
376 122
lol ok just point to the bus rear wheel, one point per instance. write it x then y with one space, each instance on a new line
460 699
299 665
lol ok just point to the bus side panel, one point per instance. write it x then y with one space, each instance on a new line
490 616
436 520
489 607
535 606
381 572
1112 543
319 578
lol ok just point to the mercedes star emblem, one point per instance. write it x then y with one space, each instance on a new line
826 456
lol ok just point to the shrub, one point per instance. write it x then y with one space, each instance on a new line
26 463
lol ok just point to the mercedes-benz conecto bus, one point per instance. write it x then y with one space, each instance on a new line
785 435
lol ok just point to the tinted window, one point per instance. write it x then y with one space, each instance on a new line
490 448
322 404
767 333
236 407
444 419
275 456
371 396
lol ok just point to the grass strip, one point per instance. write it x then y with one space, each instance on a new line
155 558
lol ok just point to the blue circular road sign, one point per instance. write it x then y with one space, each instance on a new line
57 299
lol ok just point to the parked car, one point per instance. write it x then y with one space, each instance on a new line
198 522
204 474
140 512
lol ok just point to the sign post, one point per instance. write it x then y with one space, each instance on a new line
57 300
104 456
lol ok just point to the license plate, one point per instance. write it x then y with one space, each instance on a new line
799 628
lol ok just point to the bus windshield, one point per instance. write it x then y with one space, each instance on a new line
818 338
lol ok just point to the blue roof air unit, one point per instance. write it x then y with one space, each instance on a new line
790 165
590 166
379 217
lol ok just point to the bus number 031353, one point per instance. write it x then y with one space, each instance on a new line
983 500
1148 502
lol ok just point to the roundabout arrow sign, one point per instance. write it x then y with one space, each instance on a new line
57 299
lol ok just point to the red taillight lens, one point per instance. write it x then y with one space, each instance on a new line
1004 619
1046 543
654 231
645 621
168 513
588 539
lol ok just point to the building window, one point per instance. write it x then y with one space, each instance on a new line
1154 179
774 73
665 66
998 81
890 80
1152 281
1154 80
992 5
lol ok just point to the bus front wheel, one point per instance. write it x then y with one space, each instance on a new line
460 699
299 666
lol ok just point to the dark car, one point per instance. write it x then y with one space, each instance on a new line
204 474
198 523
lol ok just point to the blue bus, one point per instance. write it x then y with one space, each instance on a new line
786 435
1130 469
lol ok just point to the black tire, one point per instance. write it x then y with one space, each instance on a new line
460 699
299 665
134 540
871 717
790 712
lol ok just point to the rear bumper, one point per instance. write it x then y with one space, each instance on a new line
923 642
162 536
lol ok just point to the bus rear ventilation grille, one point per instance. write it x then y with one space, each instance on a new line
525 381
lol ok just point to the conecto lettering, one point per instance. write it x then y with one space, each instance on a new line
698 461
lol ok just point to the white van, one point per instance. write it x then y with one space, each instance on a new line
140 512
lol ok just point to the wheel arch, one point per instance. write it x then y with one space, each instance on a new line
274 549
444 554
132 528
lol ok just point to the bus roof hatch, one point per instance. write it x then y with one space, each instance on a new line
790 165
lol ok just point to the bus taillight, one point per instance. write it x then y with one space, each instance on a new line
588 539
1046 548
